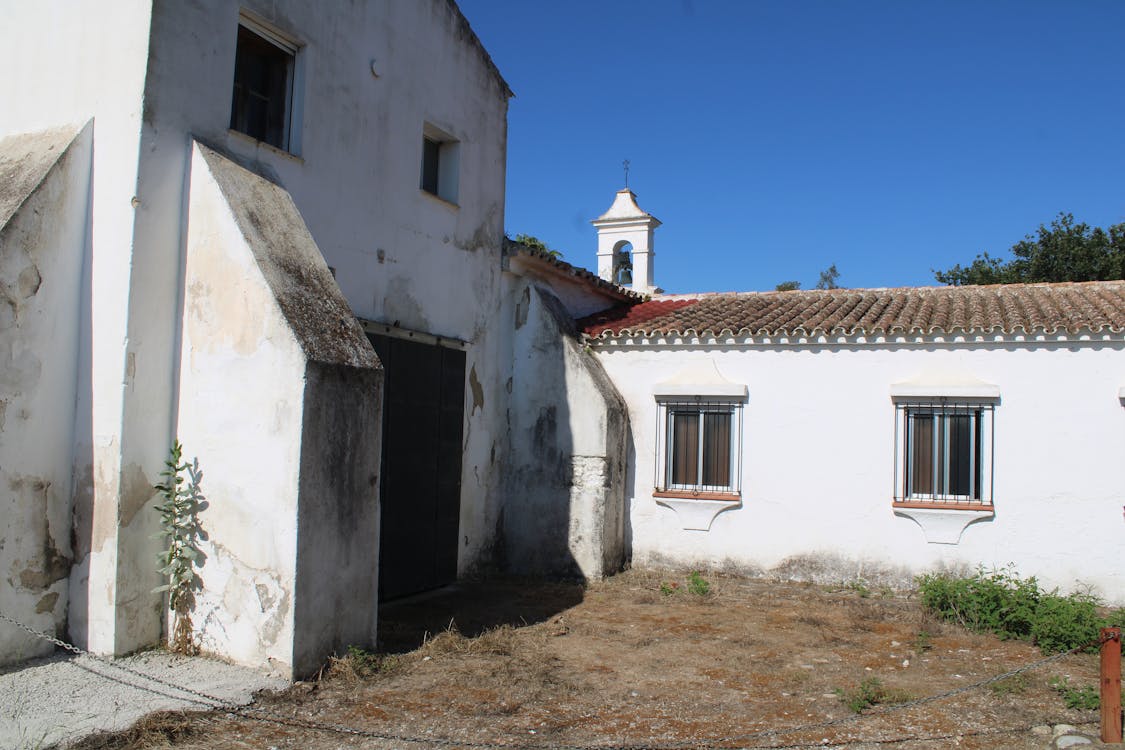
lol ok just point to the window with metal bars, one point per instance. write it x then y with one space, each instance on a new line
699 447
944 453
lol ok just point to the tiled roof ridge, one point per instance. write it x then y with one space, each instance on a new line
1044 307
512 247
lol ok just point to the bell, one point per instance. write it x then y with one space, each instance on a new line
624 276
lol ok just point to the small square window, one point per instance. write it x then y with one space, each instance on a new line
700 448
264 71
440 164
944 454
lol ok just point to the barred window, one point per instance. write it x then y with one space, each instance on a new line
944 453
699 452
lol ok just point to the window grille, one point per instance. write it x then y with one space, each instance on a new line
699 446
943 453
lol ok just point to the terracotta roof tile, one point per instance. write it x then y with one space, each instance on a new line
1015 308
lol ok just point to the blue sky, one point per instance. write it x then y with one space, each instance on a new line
776 138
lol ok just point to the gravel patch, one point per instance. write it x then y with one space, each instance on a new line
60 699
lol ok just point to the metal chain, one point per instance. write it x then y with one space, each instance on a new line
200 698
721 743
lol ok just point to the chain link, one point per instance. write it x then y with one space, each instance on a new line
721 743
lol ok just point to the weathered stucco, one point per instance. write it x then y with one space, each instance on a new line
282 412
338 514
44 192
564 509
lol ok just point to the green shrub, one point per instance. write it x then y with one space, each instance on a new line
698 585
1065 622
1084 698
1001 603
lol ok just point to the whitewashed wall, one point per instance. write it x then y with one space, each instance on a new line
818 461
401 256
564 505
72 62
44 193
153 75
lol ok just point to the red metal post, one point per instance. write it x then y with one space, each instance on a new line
1111 684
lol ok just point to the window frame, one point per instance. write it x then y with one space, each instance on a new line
667 408
446 172
981 449
291 49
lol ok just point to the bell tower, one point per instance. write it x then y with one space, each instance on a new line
625 239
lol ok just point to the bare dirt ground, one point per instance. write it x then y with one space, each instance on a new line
640 660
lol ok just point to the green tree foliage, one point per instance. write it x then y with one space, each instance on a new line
829 278
1064 251
787 286
537 244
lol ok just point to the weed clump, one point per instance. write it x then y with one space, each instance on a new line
698 585
360 664
1084 698
1010 607
870 692
182 533
1014 685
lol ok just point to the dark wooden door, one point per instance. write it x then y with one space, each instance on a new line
420 491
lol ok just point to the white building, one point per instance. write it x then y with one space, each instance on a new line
276 234
198 201
875 433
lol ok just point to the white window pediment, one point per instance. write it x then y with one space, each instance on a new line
945 387
699 444
943 453
700 379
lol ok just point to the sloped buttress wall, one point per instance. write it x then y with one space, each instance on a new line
565 506
44 194
280 399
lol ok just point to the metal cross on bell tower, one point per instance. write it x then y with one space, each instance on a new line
625 164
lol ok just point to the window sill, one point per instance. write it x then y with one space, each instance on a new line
697 512
437 198
941 505
943 523
269 148
689 495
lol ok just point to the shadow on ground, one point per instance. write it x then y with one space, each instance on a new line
471 607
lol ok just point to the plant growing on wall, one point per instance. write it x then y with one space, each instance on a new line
181 531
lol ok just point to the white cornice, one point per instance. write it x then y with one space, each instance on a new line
692 340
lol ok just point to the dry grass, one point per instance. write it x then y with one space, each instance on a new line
628 664
158 730
499 641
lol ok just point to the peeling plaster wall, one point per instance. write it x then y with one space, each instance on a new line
71 62
564 509
240 411
818 458
280 398
338 520
44 191
153 74
402 256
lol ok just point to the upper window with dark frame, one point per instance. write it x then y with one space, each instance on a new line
262 101
441 169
